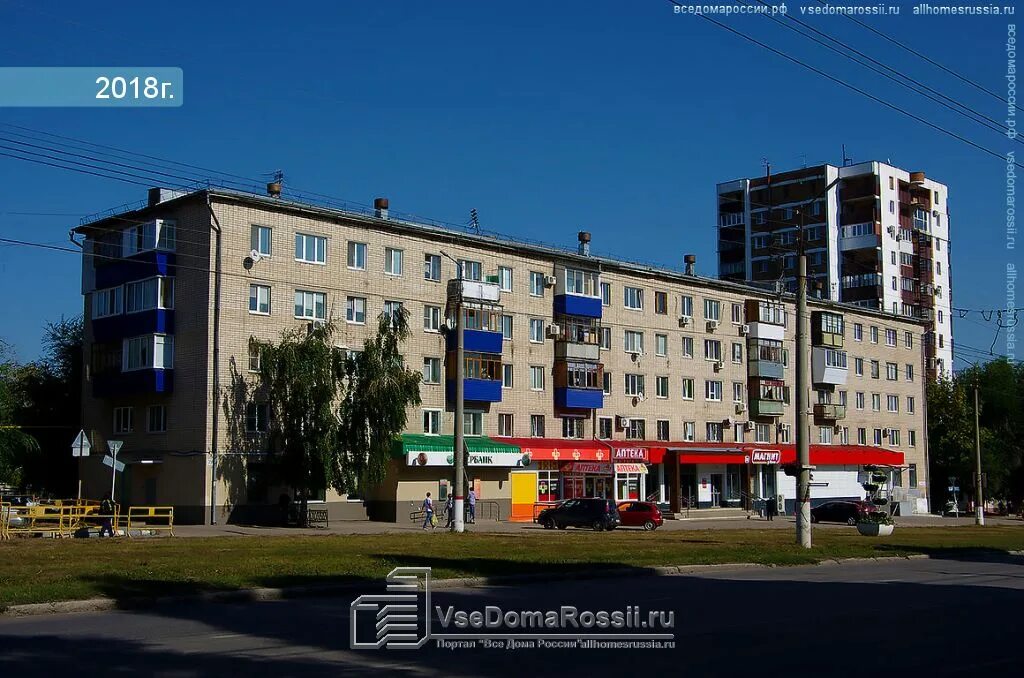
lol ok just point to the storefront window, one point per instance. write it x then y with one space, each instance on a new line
627 487
548 486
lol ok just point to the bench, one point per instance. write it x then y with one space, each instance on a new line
317 518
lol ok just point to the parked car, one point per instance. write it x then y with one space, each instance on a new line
640 514
598 514
841 511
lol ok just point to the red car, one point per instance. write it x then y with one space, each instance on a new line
640 514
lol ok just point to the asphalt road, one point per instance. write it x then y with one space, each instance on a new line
922 617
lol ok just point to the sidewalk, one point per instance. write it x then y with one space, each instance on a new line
492 527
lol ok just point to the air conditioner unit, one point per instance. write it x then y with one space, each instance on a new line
837 428
711 325
729 421
550 280
931 363
938 290
891 230
740 408
885 433
554 331
621 422
927 289
744 330
314 324
719 365
748 426
684 320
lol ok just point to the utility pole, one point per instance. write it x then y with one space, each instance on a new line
979 504
459 523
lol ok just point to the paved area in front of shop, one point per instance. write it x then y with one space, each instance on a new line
369 527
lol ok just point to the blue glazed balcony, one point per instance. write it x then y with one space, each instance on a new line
137 267
153 321
579 398
477 341
136 382
476 390
572 304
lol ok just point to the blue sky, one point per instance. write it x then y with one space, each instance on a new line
547 117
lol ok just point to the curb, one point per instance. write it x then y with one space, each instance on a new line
344 588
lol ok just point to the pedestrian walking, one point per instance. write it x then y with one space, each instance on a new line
472 505
428 513
449 510
107 508
771 507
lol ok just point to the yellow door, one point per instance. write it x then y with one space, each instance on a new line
524 495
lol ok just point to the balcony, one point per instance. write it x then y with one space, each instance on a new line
481 377
570 350
765 408
579 398
575 304
767 369
153 321
475 390
148 264
828 366
136 382
477 341
829 412
730 219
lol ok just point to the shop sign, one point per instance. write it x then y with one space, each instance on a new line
598 468
501 459
630 454
631 468
765 456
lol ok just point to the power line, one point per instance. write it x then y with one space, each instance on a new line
854 88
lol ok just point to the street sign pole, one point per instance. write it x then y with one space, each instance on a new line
80 447
114 446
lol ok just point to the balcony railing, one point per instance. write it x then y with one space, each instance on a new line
730 219
829 412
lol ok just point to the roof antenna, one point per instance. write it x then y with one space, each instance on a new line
474 221
847 161
803 160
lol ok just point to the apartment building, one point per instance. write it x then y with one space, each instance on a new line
585 376
879 238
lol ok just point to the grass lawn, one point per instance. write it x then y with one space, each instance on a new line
34 571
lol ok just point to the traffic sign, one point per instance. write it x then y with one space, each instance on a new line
115 446
81 447
113 463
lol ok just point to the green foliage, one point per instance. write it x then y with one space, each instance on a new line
877 518
16 447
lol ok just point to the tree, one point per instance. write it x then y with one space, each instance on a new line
379 390
16 447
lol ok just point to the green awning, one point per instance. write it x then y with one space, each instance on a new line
418 442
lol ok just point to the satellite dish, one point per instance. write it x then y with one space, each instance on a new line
255 255
247 263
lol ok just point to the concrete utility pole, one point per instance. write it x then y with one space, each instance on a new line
979 503
459 523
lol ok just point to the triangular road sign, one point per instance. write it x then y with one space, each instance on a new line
81 446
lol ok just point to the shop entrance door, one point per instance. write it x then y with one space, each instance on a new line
717 481
688 485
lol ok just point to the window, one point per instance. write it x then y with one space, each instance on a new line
150 351
604 428
536 284
785 432
890 337
431 370
505 278
606 294
876 402
537 330
310 305
689 431
661 344
108 302
894 437
858 332
636 429
255 357
874 334
257 417
143 295
737 352
471 270
858 366
260 240
875 369
581 282
892 371
156 419
393 261
634 384
123 420
737 391
713 390
662 427
661 303
912 442
825 435
355 310
686 306
472 423
506 327
507 376
357 255
259 299
712 309
606 387
859 400
606 338
737 314
505 427
311 249
536 378
432 318
910 372
762 433
892 403
687 388
432 422
572 427
877 437
633 341
712 349
661 387
158 234
713 431
910 404
908 340
537 425
633 297
432 267
687 347
391 309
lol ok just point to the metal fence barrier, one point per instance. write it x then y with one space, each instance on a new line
153 518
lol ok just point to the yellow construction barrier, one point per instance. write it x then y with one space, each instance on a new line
154 518
5 520
62 518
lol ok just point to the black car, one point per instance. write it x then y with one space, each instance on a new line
840 512
598 514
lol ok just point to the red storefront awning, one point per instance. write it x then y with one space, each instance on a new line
556 449
821 455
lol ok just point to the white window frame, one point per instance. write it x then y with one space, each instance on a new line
393 256
535 372
431 318
431 364
536 330
258 289
313 296
431 421
351 310
505 285
319 245
356 257
256 242
713 390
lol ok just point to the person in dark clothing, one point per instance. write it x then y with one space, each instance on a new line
771 508
107 509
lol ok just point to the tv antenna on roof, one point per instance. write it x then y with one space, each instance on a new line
847 161
474 220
